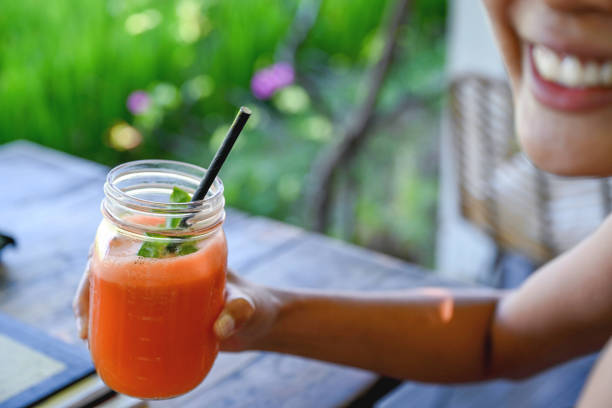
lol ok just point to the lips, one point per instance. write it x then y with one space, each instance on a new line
568 82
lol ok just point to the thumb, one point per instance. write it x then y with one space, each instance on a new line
239 308
80 304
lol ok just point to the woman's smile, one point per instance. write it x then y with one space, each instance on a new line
565 81
558 54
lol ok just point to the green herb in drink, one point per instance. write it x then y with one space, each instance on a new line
186 248
164 248
177 196
154 249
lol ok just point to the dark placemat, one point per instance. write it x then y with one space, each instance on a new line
35 365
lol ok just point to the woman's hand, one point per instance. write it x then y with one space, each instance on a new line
80 303
248 315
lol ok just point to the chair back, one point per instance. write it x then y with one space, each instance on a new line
522 208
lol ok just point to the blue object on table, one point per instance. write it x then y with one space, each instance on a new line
55 364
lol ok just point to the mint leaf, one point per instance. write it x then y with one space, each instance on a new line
153 249
186 248
160 249
177 196
150 249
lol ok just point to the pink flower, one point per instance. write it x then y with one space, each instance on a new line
267 81
138 102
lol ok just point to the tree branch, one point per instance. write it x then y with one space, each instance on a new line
325 167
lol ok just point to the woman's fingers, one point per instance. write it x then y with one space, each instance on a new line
249 313
80 304
239 308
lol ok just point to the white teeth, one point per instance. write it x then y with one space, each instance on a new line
569 70
547 61
591 74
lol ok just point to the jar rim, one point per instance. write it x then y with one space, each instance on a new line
189 207
126 181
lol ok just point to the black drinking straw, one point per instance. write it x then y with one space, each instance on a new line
220 156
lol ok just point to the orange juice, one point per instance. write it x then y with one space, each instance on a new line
150 329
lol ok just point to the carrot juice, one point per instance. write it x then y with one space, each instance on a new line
151 322
151 316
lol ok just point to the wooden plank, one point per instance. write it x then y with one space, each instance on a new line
31 173
278 381
51 157
319 262
417 395
557 387
258 240
235 220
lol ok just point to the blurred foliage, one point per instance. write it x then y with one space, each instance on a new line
67 69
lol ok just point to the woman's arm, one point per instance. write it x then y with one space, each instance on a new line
439 335
426 334
563 311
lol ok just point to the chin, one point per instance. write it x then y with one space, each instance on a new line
563 130
574 144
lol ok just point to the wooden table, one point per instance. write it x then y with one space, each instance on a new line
50 203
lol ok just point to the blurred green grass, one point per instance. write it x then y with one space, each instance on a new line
67 68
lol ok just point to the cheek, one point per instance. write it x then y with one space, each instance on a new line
501 13
534 136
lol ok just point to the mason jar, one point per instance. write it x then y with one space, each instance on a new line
157 280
